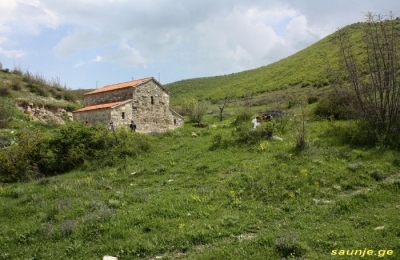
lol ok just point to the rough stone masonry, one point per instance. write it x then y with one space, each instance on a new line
145 101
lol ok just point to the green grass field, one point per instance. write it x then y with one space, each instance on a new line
209 197
219 192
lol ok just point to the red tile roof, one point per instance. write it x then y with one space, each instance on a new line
128 84
101 106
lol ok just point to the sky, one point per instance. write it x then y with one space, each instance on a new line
92 43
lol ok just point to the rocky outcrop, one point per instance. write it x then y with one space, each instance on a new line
45 114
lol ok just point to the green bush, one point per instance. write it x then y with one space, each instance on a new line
312 99
354 133
7 110
243 116
243 134
4 91
18 161
68 147
334 106
40 90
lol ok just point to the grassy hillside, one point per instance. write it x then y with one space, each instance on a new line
295 188
211 196
306 68
27 87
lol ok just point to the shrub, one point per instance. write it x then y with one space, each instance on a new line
193 109
354 133
312 99
67 147
288 245
16 84
4 91
370 74
7 110
244 134
70 96
334 106
18 161
38 89
243 116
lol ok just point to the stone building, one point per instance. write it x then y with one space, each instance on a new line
145 101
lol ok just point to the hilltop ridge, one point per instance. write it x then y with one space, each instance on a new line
306 68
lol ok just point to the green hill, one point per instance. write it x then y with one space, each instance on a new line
22 91
306 68
225 191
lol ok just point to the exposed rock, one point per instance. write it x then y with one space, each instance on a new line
276 138
107 257
45 114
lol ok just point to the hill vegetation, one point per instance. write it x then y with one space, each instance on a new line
19 89
309 184
222 193
307 68
23 85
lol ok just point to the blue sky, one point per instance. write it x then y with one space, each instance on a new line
82 43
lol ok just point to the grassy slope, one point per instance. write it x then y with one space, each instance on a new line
305 68
25 87
183 200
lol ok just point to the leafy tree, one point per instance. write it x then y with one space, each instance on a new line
371 75
193 109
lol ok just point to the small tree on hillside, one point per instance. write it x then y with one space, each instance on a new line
193 109
371 75
222 107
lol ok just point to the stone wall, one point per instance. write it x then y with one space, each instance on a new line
120 115
108 97
93 116
176 120
149 108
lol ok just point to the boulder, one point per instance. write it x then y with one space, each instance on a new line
107 257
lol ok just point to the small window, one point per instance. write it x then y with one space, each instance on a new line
174 121
152 100
123 115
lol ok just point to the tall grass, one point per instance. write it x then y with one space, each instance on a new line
179 199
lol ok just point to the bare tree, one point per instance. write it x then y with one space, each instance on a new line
370 75
222 107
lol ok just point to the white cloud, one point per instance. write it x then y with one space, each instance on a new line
298 34
208 37
242 39
126 56
82 40
98 59
79 64
12 53
27 16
